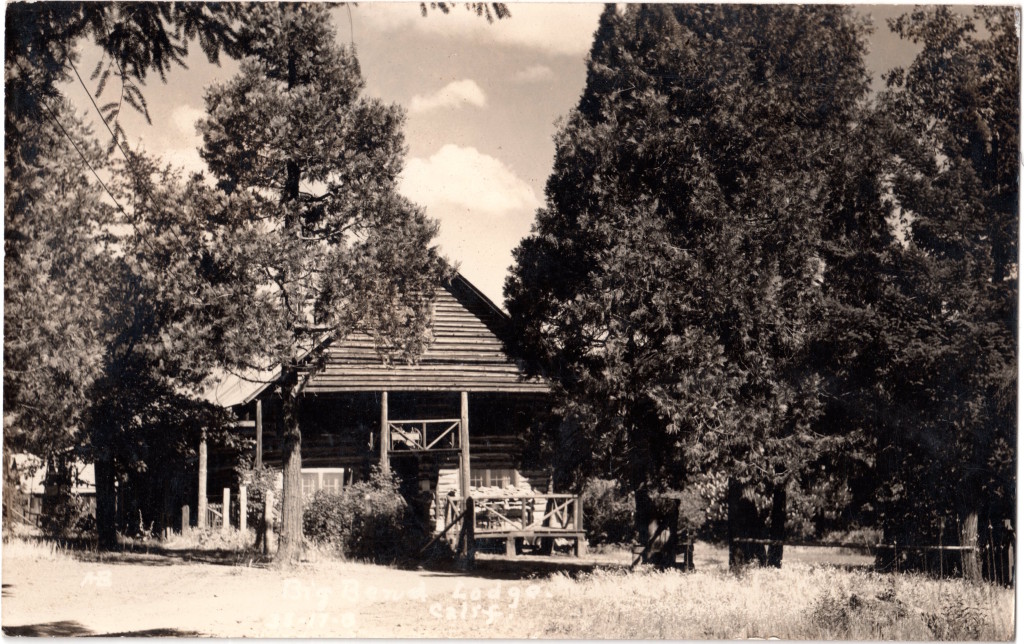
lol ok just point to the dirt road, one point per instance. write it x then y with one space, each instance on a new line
160 595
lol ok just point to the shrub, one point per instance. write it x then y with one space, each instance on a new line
366 520
257 482
608 512
66 515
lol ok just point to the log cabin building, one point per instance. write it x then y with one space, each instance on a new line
452 424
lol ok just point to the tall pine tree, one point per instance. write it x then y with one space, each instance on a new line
673 282
322 240
947 452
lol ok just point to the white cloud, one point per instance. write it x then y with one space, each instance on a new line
454 95
465 179
555 28
484 210
187 159
184 118
533 74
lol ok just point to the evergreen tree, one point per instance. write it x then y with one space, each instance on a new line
53 339
321 240
673 283
947 451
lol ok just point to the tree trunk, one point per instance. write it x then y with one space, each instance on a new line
777 527
743 523
290 547
106 530
644 520
969 538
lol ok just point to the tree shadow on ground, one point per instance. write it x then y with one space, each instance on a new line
75 629
516 568
158 556
155 632
50 629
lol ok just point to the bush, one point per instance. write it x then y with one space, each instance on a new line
608 512
366 520
66 515
257 481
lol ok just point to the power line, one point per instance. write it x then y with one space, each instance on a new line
74 144
117 142
98 111
131 221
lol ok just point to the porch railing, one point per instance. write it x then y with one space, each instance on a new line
537 513
436 435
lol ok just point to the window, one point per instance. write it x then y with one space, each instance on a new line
308 484
332 482
330 479
476 478
500 478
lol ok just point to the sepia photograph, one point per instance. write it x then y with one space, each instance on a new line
510 320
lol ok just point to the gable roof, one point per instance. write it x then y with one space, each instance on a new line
466 354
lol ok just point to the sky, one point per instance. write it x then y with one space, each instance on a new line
482 101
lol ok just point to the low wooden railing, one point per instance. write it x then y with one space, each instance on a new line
535 514
214 516
440 434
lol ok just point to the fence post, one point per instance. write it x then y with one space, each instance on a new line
991 555
225 523
942 553
268 522
184 518
467 535
201 505
243 507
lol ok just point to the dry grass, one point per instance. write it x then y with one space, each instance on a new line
35 549
205 539
800 601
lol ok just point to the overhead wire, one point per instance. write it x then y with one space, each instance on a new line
56 121
117 142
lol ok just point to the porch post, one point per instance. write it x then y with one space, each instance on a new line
385 435
201 506
259 434
464 444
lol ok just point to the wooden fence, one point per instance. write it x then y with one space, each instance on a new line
998 559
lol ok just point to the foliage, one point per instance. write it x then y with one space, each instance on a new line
366 520
672 285
53 336
67 516
98 298
609 512
946 443
319 241
257 481
136 38
799 602
489 10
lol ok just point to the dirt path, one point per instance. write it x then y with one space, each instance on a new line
169 594
158 595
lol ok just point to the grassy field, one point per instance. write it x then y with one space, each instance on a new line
48 590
